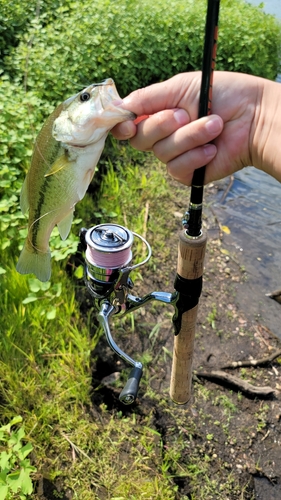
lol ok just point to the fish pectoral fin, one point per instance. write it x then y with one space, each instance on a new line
24 203
64 225
83 185
60 163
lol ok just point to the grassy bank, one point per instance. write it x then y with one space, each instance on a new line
54 359
46 356
73 438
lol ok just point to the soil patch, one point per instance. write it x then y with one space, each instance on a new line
228 438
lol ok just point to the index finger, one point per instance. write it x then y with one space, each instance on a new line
180 91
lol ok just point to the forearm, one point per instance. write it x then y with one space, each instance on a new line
266 135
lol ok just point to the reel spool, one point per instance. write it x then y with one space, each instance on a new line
108 257
108 250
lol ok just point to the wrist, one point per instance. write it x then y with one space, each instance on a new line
266 128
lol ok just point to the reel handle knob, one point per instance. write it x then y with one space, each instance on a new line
130 391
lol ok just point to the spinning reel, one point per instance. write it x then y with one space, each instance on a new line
108 266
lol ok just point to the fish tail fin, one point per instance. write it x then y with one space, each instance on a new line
32 261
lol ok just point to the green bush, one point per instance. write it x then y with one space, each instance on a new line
17 17
138 43
13 21
20 114
249 40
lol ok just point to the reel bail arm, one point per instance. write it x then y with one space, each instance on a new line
130 391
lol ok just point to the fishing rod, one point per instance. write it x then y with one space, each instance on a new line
192 240
109 256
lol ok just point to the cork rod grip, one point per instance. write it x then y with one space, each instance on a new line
191 255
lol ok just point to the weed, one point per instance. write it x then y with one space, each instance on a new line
203 391
262 415
228 407
212 316
16 469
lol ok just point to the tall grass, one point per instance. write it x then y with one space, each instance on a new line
45 363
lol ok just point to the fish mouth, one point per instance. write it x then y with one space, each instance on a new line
107 81
111 99
128 115
114 106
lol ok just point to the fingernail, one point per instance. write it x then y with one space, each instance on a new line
127 100
127 129
181 116
117 102
213 125
210 150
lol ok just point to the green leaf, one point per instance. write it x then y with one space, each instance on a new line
3 491
57 289
14 481
16 437
20 433
51 313
16 420
79 272
30 298
26 483
7 428
34 285
3 475
5 460
45 285
20 481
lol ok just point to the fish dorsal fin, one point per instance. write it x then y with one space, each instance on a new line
60 163
24 203
64 225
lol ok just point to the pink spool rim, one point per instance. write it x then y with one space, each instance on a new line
108 260
109 246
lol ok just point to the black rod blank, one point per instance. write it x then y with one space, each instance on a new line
194 224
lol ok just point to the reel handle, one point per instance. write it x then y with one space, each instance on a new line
191 253
130 391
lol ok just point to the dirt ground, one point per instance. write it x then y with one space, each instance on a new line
225 442
238 434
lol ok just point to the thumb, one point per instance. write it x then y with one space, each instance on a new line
125 130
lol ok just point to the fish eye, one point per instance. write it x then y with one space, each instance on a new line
85 96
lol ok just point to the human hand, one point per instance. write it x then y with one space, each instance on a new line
181 141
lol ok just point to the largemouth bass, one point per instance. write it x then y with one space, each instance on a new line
65 155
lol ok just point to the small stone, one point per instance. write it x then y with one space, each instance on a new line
111 379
